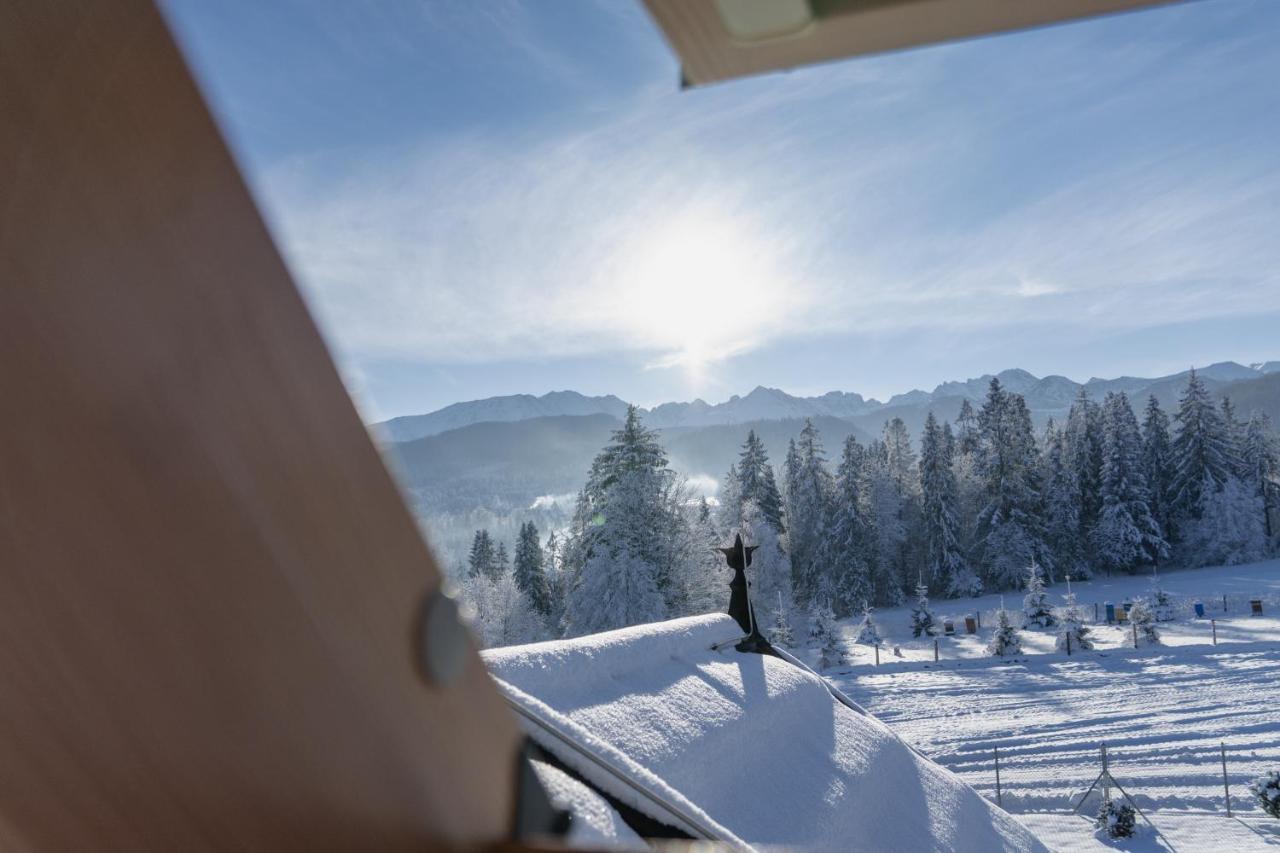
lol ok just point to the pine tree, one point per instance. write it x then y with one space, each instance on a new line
1262 470
921 616
1201 452
627 536
1005 641
756 481
1035 604
780 634
501 560
966 429
1157 464
939 497
1144 621
824 636
530 575
1062 504
1010 530
1073 633
868 631
1083 435
504 616
707 579
848 550
483 559
1126 535
1229 529
809 494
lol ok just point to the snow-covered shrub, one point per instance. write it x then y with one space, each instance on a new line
1144 622
1161 602
921 617
780 632
1073 633
1036 611
1005 640
1117 820
868 632
823 635
1267 789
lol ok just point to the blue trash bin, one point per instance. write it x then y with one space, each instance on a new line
1111 612
1199 609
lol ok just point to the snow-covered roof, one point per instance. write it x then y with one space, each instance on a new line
748 748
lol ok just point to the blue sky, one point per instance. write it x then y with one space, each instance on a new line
500 197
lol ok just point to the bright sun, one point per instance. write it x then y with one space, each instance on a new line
700 288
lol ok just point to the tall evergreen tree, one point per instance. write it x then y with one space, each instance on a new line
626 535
757 483
1083 434
483 559
1157 464
1010 529
529 571
809 493
939 497
966 429
1201 451
501 559
1262 464
770 573
1126 535
1061 504
848 549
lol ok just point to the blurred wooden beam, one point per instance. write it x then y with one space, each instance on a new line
723 39
208 581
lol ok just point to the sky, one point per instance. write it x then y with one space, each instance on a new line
486 198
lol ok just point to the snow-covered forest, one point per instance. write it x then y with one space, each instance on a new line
965 509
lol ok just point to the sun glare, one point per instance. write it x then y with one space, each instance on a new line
701 288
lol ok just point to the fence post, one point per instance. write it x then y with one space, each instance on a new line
1213 623
1224 604
935 651
1226 790
979 618
1135 635
999 797
1095 613
877 647
1068 636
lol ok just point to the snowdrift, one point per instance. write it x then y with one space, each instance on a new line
749 748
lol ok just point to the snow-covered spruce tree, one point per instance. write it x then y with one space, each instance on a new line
483 559
809 493
1036 611
529 572
939 521
1143 618
1010 530
1202 455
966 429
824 636
706 578
1266 788
1073 632
1262 471
1161 601
886 510
1005 641
1229 528
1083 446
1157 464
868 631
921 616
558 580
1126 535
501 560
1117 820
848 551
626 535
1061 504
756 481
902 470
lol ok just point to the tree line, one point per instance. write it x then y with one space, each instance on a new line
978 502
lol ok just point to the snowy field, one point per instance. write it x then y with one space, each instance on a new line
1162 711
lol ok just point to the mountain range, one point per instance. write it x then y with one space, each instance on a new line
498 462
1049 396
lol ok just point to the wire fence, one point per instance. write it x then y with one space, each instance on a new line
1207 778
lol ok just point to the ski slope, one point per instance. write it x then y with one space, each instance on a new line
1164 712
